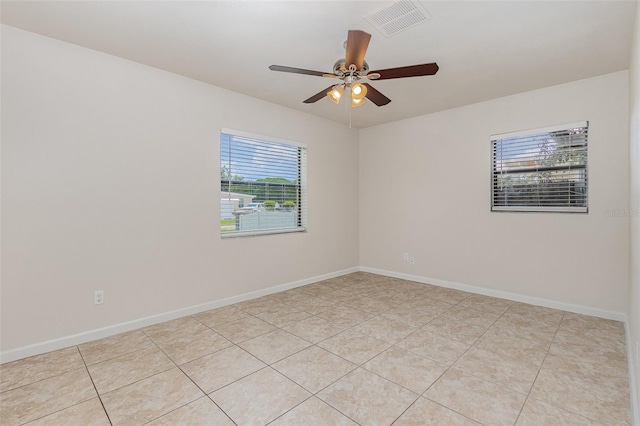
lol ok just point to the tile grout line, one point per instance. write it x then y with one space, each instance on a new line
270 365
58 375
369 359
563 374
540 368
357 366
471 346
361 294
312 395
44 378
205 395
94 385
153 343
450 366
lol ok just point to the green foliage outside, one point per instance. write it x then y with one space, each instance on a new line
277 180
226 175
276 189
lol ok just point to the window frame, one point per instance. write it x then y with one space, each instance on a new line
301 219
539 208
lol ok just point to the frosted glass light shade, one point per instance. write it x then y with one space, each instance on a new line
335 94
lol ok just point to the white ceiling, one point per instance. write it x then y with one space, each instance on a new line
485 50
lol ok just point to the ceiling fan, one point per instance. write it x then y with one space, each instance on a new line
354 68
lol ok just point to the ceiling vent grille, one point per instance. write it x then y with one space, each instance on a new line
397 17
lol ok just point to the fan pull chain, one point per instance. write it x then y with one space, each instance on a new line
350 107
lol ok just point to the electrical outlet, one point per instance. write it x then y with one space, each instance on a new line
405 257
412 260
98 297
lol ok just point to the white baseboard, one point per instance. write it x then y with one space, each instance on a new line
76 339
633 388
87 336
618 316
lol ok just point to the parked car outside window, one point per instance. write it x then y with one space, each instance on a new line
252 207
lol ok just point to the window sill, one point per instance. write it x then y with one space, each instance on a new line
238 234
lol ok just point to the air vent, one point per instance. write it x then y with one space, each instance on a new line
397 17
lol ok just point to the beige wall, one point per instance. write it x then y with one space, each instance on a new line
634 157
437 168
110 181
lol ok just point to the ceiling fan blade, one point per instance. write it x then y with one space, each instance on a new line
376 97
357 43
298 71
410 71
315 98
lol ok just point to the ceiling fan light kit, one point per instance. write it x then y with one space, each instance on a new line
358 92
356 102
335 94
358 69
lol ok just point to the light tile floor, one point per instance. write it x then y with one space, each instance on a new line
357 349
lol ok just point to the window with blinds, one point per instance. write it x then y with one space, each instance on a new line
543 170
263 185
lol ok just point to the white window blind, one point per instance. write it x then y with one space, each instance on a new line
263 185
541 170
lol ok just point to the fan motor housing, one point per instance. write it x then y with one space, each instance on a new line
341 70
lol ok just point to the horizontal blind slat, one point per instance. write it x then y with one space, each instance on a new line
548 168
266 171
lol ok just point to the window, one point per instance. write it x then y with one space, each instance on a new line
263 185
543 170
